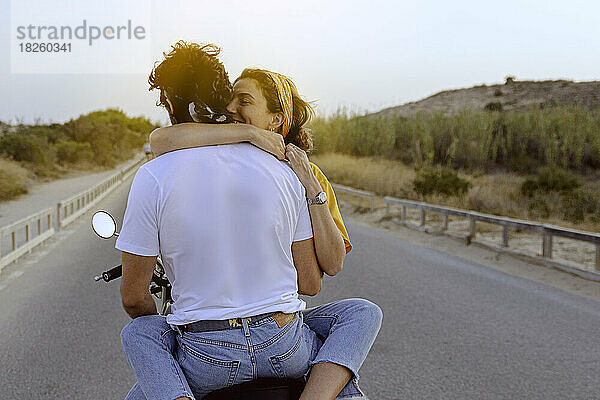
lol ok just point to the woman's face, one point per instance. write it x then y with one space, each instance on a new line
250 106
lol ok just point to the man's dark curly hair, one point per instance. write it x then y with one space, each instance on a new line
191 72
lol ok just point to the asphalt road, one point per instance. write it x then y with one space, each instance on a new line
452 329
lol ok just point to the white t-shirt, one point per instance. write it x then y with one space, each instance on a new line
223 219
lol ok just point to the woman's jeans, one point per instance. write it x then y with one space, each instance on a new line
168 364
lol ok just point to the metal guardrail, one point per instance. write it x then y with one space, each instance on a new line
355 192
67 211
547 231
40 222
70 209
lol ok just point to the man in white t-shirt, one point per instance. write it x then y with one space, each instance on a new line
232 227
225 220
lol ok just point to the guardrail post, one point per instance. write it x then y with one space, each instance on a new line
422 216
472 228
58 207
598 257
39 221
445 225
403 215
505 236
14 240
27 235
372 204
547 244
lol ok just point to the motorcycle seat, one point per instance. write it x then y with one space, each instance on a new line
261 389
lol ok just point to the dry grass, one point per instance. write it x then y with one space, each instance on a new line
496 194
14 179
384 177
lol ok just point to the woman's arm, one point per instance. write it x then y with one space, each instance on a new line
308 272
192 134
328 241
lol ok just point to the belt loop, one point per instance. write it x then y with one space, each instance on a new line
245 327
178 329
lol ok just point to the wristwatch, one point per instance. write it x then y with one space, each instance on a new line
321 198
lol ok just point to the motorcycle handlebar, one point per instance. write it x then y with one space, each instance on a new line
111 274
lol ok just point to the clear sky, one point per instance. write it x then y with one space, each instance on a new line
356 54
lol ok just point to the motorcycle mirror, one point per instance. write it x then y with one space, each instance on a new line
104 224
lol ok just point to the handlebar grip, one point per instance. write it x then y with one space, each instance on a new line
113 273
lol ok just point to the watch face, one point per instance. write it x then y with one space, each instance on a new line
322 197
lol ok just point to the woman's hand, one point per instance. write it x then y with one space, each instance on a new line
298 160
328 241
271 142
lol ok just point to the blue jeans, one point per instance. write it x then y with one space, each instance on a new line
347 329
170 365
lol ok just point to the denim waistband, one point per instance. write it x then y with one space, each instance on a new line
219 325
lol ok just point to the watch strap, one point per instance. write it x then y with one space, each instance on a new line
318 199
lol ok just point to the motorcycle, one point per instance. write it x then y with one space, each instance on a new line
105 227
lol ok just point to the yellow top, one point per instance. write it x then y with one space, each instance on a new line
332 205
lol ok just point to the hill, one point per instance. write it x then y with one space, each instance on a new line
513 96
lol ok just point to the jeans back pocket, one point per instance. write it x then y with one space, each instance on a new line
205 372
294 362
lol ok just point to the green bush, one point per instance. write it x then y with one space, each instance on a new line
550 179
103 138
523 164
442 181
539 208
493 106
577 204
21 147
43 134
111 135
529 187
72 152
